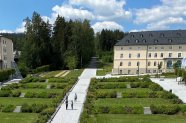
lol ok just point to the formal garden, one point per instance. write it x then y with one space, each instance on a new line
131 99
35 98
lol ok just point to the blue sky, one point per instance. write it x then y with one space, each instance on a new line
126 15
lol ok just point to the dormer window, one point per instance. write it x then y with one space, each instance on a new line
141 35
155 41
128 41
144 41
178 34
170 40
150 35
137 41
162 35
132 36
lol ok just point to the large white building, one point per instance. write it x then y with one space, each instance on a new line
6 53
141 52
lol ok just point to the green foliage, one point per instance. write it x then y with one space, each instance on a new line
165 109
8 108
40 95
111 85
71 62
44 68
4 74
155 87
5 93
58 86
34 108
32 79
112 94
16 93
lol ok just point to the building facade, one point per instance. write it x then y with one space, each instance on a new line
143 52
6 53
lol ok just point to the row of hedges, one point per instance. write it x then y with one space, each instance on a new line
59 80
34 108
8 93
58 86
4 74
100 94
32 79
40 95
111 85
119 110
150 85
26 85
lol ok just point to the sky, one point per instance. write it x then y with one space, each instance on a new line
125 15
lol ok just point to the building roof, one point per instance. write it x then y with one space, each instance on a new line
168 37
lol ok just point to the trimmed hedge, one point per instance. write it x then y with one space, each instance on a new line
58 86
4 74
34 108
119 110
33 85
111 85
11 87
40 95
8 108
112 94
32 79
165 109
44 68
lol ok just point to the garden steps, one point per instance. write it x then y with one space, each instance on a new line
48 87
147 110
17 109
119 95
61 73
22 95
128 86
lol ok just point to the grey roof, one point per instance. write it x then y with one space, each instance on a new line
167 37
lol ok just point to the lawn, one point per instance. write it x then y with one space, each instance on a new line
19 101
145 102
106 69
126 118
50 74
18 117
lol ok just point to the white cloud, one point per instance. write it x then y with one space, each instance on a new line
110 25
69 12
6 31
21 29
105 9
162 16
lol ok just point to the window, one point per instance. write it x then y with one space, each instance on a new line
155 41
162 47
150 35
179 34
137 71
155 55
150 47
121 48
138 55
161 63
180 47
121 63
130 48
169 64
121 55
156 48
120 72
128 71
130 55
154 71
162 35
138 63
128 41
129 63
155 63
162 55
179 55
170 55
170 40
137 41
149 55
148 63
144 41
148 71
132 36
170 47
139 48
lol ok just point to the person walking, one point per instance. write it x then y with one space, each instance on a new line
66 101
72 105
75 97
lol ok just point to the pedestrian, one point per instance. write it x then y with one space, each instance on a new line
72 105
66 104
75 97
66 96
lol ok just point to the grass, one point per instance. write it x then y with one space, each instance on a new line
51 73
17 101
145 102
125 118
107 68
18 117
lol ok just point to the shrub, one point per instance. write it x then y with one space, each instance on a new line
111 85
5 93
167 95
58 86
26 108
37 108
42 69
165 109
155 87
33 85
48 111
32 79
11 87
8 108
135 85
153 94
4 74
112 94
16 93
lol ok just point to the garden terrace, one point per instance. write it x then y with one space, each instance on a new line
111 97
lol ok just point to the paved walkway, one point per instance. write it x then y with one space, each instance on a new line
72 116
167 84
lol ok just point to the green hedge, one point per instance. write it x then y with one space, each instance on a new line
34 108
58 86
40 95
112 94
32 79
44 68
33 85
165 109
4 74
111 85
8 108
140 84
11 87
119 109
